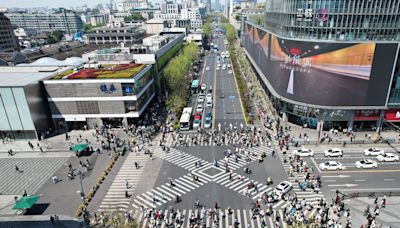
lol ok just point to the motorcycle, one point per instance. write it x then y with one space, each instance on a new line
269 181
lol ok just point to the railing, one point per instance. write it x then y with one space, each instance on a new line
340 141
352 195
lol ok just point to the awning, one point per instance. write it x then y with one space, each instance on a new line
26 202
79 147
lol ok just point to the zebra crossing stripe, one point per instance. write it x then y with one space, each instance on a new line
281 215
165 192
221 177
146 202
191 183
232 182
168 189
239 183
244 186
261 193
189 188
258 221
278 204
190 180
251 219
161 196
151 199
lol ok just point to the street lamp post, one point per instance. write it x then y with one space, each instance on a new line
82 192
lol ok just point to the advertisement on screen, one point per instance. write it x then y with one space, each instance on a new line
323 73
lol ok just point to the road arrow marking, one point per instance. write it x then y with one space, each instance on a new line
339 176
342 185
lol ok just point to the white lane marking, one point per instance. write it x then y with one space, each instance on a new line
388 179
315 164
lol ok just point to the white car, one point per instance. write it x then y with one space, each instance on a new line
334 152
203 87
207 124
303 152
196 123
229 65
200 99
331 165
374 151
230 72
223 67
366 164
388 157
199 108
207 68
218 68
209 96
283 188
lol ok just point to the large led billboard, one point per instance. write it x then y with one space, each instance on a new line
323 73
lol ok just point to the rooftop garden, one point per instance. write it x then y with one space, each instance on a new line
105 71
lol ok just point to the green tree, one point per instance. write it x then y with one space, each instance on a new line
134 17
258 19
58 34
207 29
55 37
237 17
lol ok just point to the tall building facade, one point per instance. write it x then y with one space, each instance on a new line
64 20
8 41
334 19
209 6
329 64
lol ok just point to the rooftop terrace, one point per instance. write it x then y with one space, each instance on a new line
112 71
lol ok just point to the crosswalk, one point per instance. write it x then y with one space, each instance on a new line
196 139
32 174
240 185
115 198
308 194
177 157
167 193
240 218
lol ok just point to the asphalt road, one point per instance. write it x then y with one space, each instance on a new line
228 109
212 192
385 178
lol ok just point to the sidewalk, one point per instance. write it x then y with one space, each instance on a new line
388 216
39 221
53 144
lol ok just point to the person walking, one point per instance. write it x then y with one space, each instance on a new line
17 169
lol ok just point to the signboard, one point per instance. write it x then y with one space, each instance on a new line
366 115
107 88
392 115
321 72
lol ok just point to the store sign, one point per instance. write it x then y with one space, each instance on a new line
107 89
308 14
366 115
392 115
305 14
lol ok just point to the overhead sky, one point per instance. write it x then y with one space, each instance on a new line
49 3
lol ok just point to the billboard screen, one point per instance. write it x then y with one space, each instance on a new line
323 73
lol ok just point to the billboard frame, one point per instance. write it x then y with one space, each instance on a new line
282 98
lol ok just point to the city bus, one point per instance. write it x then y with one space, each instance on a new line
186 119
195 86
